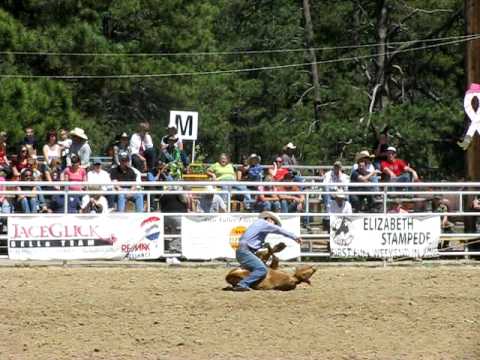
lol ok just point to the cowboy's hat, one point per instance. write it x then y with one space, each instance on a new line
79 133
362 155
270 215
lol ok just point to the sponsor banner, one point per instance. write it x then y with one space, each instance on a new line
72 237
384 236
217 237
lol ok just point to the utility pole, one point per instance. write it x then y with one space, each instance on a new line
472 70
472 65
313 56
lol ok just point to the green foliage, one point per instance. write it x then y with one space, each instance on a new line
248 111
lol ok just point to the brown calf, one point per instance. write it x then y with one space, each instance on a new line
276 279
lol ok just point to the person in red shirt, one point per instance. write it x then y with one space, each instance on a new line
397 170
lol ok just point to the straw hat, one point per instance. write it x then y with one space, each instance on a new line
362 155
79 133
270 215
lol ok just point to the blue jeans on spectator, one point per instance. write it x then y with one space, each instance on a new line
29 205
122 200
6 208
249 261
288 206
268 206
247 198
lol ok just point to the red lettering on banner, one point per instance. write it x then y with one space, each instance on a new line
137 247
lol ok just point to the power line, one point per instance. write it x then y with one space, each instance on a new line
234 71
220 53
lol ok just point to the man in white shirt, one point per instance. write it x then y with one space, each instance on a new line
340 205
99 176
141 145
336 175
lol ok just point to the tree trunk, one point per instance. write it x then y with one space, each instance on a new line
313 56
382 29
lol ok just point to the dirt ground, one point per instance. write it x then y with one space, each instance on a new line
182 313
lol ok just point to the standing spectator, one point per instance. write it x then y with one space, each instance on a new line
277 171
381 147
51 150
122 147
362 175
76 173
290 202
334 176
397 170
143 152
80 147
288 155
30 141
124 172
65 142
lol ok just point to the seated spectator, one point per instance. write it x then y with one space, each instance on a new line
124 172
290 202
30 203
255 170
80 147
340 205
242 171
397 208
121 147
363 202
267 200
51 150
4 162
380 152
74 173
211 202
223 170
338 178
30 142
172 132
143 152
94 203
277 171
397 170
160 172
288 155
5 207
99 176
20 162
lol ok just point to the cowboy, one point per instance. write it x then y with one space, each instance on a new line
251 241
80 147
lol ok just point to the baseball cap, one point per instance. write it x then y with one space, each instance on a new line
391 148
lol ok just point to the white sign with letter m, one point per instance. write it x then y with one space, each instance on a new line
186 123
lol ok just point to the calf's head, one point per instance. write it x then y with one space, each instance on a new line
304 273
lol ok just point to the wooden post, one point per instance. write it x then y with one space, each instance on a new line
472 71
472 67
313 56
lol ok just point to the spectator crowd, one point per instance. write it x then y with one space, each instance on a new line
67 156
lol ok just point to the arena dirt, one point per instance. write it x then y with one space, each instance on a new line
182 313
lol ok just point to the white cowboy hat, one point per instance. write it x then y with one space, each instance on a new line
270 215
362 155
79 133
340 195
290 146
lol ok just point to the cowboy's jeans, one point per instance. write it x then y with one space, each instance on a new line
249 261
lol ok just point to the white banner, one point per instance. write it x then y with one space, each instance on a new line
216 237
71 237
186 123
384 236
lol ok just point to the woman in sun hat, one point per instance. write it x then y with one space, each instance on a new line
251 241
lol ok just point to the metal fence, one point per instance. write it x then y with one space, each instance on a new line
418 199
